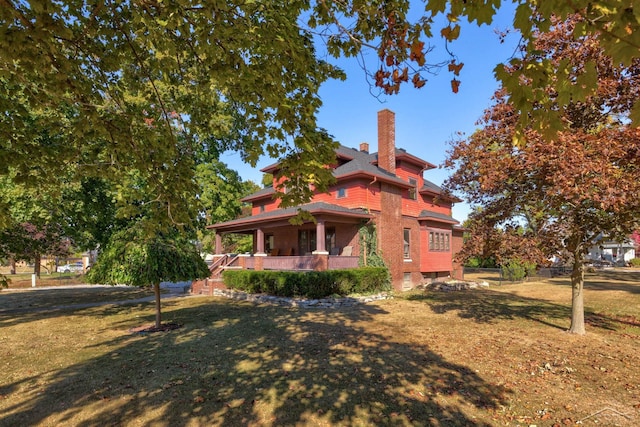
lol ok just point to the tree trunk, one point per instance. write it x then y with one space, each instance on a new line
37 265
12 266
577 295
156 291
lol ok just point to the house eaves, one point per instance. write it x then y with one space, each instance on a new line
401 154
264 193
432 189
317 209
362 167
342 152
435 216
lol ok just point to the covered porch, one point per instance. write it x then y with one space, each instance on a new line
331 242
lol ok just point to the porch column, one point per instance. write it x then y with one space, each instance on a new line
218 243
260 242
320 239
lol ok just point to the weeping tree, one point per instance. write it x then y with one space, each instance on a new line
136 258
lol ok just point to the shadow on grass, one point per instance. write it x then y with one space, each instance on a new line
22 306
237 364
486 306
626 281
606 280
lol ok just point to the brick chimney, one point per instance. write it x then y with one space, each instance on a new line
387 140
364 147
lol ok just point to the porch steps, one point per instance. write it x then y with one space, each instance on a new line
206 287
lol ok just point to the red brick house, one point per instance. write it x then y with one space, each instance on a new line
417 235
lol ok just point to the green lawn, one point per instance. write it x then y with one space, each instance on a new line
22 278
496 356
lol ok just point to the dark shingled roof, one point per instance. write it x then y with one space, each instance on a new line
313 208
434 216
264 192
363 165
358 162
431 187
362 162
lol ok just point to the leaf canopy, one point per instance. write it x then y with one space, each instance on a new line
132 258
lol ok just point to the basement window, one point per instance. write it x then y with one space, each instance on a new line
406 281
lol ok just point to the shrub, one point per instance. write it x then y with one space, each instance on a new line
635 262
480 262
312 284
515 270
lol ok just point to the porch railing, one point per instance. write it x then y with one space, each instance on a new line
289 263
298 263
338 262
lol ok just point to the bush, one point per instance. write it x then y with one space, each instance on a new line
479 262
635 262
515 270
312 284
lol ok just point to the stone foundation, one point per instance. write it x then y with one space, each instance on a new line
299 302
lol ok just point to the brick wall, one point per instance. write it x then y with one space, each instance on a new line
457 242
387 140
389 227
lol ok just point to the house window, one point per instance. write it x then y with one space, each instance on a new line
261 208
413 192
306 241
330 239
439 241
342 193
269 243
407 243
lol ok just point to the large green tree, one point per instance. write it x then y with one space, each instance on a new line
34 224
220 193
116 79
572 188
132 85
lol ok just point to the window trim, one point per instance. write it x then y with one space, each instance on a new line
406 244
413 192
439 241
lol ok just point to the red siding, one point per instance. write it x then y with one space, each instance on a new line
434 261
360 193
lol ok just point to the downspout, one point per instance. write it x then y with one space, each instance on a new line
375 179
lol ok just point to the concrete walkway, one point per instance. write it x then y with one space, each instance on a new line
174 291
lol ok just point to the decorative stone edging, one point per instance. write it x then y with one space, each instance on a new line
298 302
455 285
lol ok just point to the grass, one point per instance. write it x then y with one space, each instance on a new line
486 357
22 278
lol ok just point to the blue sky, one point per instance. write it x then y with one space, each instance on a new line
427 118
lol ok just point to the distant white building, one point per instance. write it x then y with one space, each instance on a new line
612 251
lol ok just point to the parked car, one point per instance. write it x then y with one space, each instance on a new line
76 267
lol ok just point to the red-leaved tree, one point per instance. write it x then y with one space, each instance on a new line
567 190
